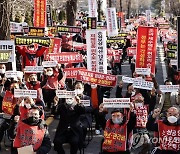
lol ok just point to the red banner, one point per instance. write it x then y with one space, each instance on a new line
55 45
65 57
146 48
40 13
131 51
72 72
97 78
116 54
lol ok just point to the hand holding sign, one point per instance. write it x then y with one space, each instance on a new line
156 113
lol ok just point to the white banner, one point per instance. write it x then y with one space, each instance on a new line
116 102
111 19
148 15
91 49
49 63
65 94
92 8
33 69
12 74
143 71
101 51
142 84
86 103
169 88
25 93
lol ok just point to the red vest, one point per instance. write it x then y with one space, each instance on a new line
169 136
28 135
115 137
141 116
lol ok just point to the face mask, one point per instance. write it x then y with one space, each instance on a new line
33 119
117 120
33 83
50 73
138 104
2 71
93 86
28 106
78 91
172 119
69 101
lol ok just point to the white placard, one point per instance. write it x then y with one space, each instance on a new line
127 79
34 69
12 74
26 150
92 4
49 63
86 103
142 84
111 18
174 62
116 102
143 71
169 88
65 94
25 93
16 27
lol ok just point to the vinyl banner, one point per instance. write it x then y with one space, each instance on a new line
7 51
111 18
92 4
69 29
36 31
146 48
40 13
91 23
178 30
49 15
97 78
72 72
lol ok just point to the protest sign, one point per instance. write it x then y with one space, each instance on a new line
127 79
69 29
174 62
25 93
49 15
131 51
49 63
65 94
91 23
142 84
12 74
55 45
36 31
92 5
169 88
33 69
26 150
143 71
116 102
72 72
86 103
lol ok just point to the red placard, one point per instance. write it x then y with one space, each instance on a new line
146 48
131 51
40 13
65 57
72 72
97 78
55 45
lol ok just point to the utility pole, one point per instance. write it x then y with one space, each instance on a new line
99 2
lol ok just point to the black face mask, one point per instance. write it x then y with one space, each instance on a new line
33 120
33 83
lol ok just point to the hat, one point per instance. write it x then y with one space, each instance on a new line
117 110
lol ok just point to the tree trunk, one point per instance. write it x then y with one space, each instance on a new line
71 9
128 9
99 2
4 20
110 3
120 6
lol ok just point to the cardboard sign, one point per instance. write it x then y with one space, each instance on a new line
72 72
49 63
172 46
36 31
12 74
65 94
169 88
116 102
69 29
91 23
86 103
33 69
97 78
143 71
142 84
27 40
25 93
26 150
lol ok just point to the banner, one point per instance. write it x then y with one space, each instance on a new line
169 88
146 48
142 84
122 41
148 15
69 29
49 15
178 48
25 93
86 103
116 102
40 13
36 31
171 54
97 78
55 45
7 51
65 57
27 40
91 23
33 69
72 72
65 94
131 51
49 63
111 19
172 46
92 4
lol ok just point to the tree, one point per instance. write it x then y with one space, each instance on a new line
156 4
71 9
18 17
4 20
61 15
28 18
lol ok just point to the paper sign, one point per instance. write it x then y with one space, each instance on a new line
169 88
32 69
141 84
26 150
65 94
25 93
49 63
86 103
12 74
116 102
127 79
174 62
143 71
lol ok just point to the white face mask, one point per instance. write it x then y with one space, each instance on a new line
78 91
117 120
172 119
2 71
69 101
49 73
28 106
94 86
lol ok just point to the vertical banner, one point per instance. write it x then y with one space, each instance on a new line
101 51
146 48
91 23
91 50
178 49
111 18
148 15
92 4
40 13
48 15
